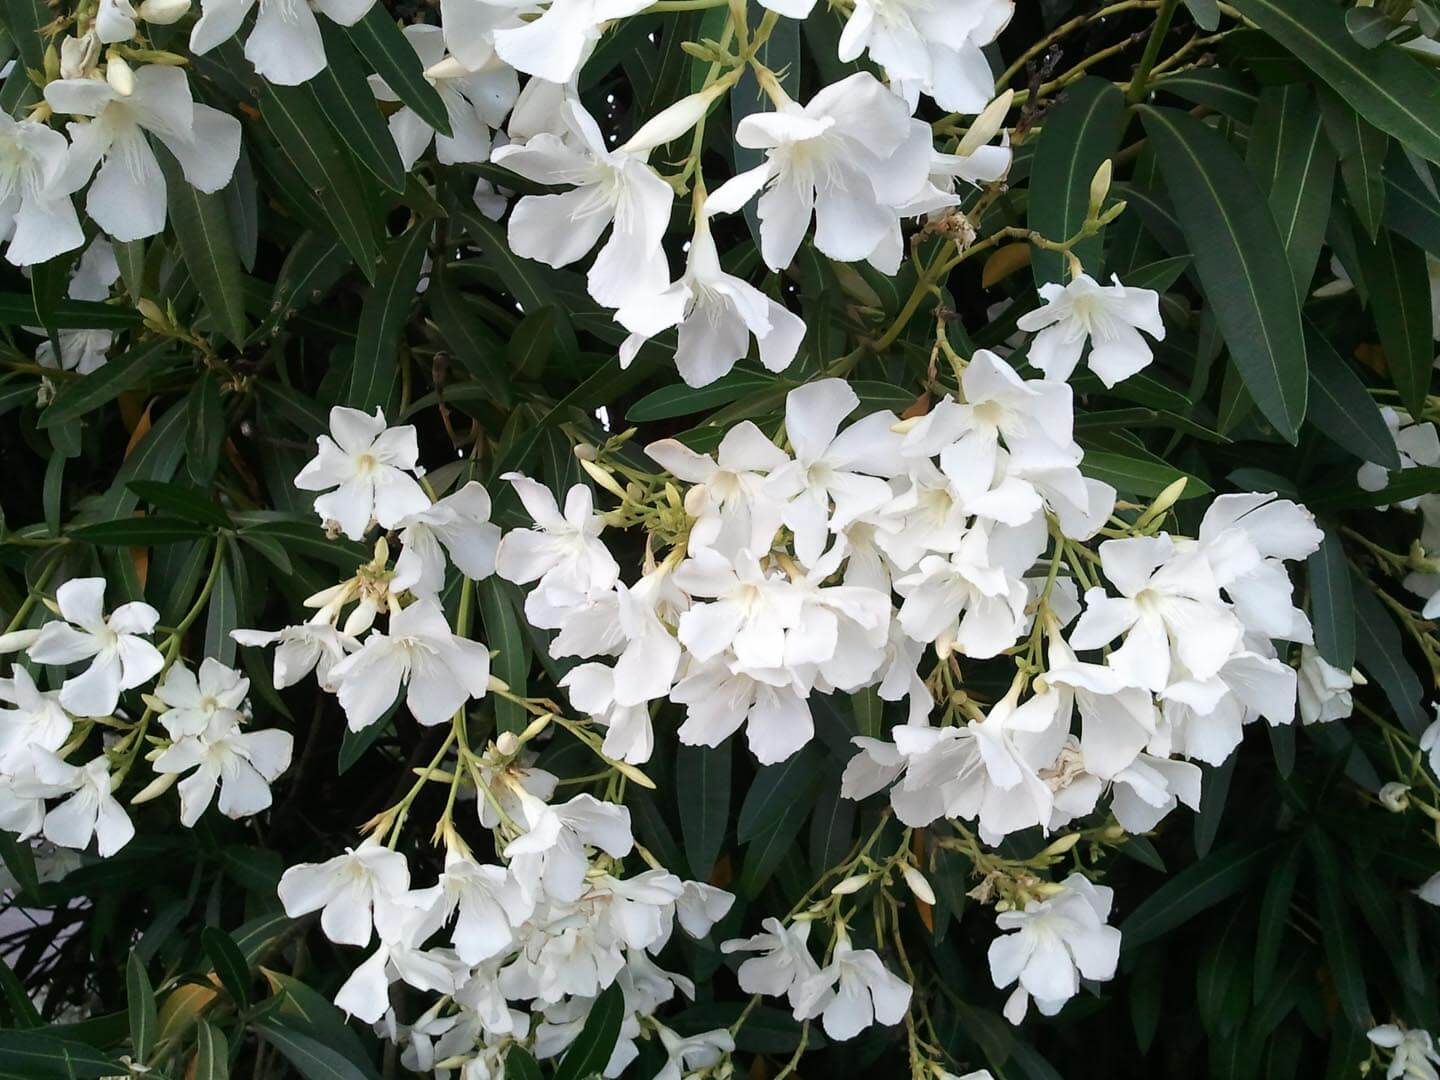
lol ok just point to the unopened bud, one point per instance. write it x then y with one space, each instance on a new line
986 125
1099 188
163 12
507 742
1063 844
1164 501
448 68
498 684
119 75
1395 797
674 120
852 884
584 451
16 640
1046 889
153 790
604 478
918 885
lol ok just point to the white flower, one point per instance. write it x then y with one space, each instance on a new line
1149 788
692 1052
967 601
285 44
1430 743
218 692
1430 891
1117 720
371 469
1416 442
550 854
36 721
439 670
717 314
470 27
459 524
1169 606
786 966
843 468
733 510
36 214
304 648
476 100
351 891
1109 317
566 554
121 659
1414 1052
851 992
554 46
243 764
612 187
488 904
931 47
89 810
365 995
1053 941
849 158
115 20
1325 694
127 198
718 700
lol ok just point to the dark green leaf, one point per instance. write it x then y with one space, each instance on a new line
591 1050
140 531
1381 655
1274 924
344 96
1201 885
1362 149
1241 261
229 964
1079 134
35 1055
212 1053
123 372
383 318
140 1000
1336 932
312 1059
777 791
205 434
1332 602
702 789
393 58
1289 155
504 634
1399 287
1340 406
202 225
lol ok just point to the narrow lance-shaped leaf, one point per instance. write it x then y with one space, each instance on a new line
383 319
1398 285
1289 155
202 226
1362 148
1241 261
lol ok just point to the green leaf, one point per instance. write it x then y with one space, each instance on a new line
212 1053
184 501
1341 408
1332 601
1201 885
1368 26
229 964
35 1055
202 225
832 826
1159 275
253 869
1206 13
525 280
776 791
1137 473
1412 209
504 634
140 531
1215 787
393 58
1336 933
18 309
591 1050
308 1012
300 129
205 433
1079 133
1388 88
344 96
1274 925
702 789
124 372
140 999
21 1010
1241 261
532 343
1362 149
474 345
519 1065
312 1059
1399 287
680 400
1289 155
383 318
1381 655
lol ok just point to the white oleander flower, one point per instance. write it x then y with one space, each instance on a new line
88 810
119 658
1169 608
371 469
554 46
1416 443
786 964
613 187
848 159
458 524
1052 944
691 1052
1324 692
1414 1056
242 764
550 855
930 47
719 700
439 670
285 43
352 892
37 721
717 314
487 903
302 649
476 99
192 702
1108 317
399 957
128 196
115 19
851 992
36 182
565 554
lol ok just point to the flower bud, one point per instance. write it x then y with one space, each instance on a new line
604 478
119 75
447 68
1164 501
675 120
507 742
17 640
918 885
1063 844
1099 188
852 884
153 790
986 125
1395 797
163 12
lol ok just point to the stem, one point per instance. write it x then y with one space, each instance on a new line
1140 83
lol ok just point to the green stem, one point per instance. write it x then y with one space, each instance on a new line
1139 85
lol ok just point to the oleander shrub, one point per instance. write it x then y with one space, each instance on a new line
719 538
